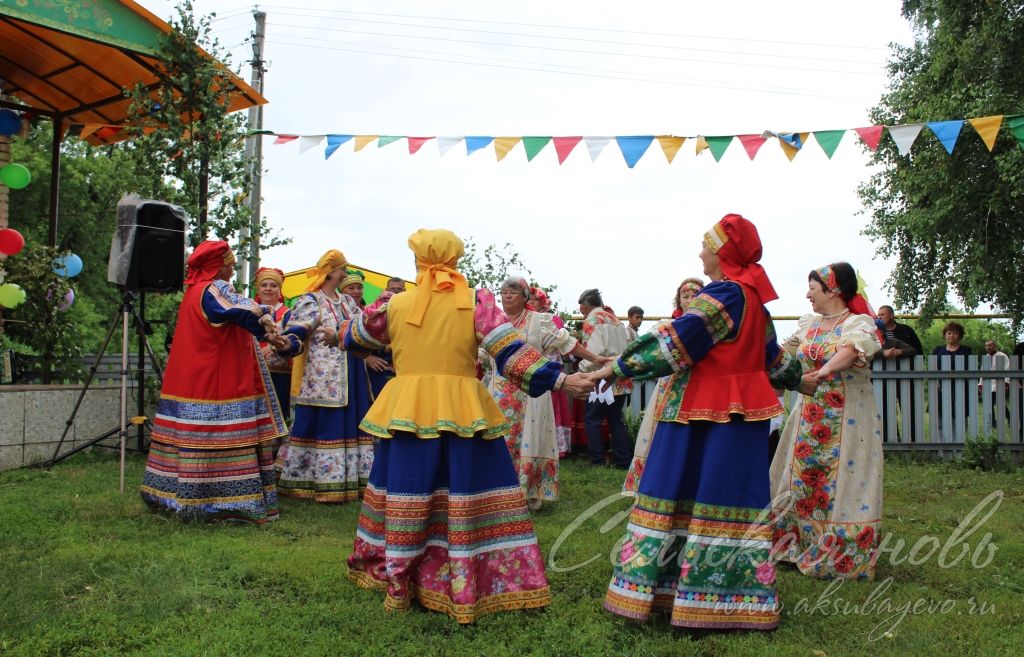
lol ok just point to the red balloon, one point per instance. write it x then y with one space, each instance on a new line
11 241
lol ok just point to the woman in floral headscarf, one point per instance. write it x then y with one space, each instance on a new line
327 457
827 471
698 540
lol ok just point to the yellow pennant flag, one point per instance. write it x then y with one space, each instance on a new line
988 128
502 145
89 129
789 149
702 145
670 146
363 140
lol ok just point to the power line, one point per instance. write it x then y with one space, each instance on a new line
568 38
578 51
627 76
588 29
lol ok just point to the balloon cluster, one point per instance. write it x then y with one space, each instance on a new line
11 295
15 176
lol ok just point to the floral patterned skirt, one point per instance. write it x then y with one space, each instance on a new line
327 457
698 540
235 484
444 522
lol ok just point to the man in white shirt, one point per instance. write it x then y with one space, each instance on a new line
1000 361
605 335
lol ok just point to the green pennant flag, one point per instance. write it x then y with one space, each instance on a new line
534 145
829 140
1016 124
718 145
384 140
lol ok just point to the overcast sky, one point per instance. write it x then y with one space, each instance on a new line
571 68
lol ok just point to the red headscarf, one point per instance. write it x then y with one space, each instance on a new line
206 260
272 274
738 246
539 300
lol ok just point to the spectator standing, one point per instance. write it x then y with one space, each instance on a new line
900 341
953 333
1000 361
634 318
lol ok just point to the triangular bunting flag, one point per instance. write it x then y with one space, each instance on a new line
595 145
670 146
415 143
88 130
445 144
870 135
502 146
333 142
564 146
1016 124
534 145
718 145
904 135
829 140
306 143
474 144
362 141
792 143
284 139
988 128
946 132
385 140
751 143
700 146
633 148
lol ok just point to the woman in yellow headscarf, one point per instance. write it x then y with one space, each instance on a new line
327 457
444 520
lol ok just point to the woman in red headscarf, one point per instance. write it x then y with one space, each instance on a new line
697 547
211 457
827 472
268 293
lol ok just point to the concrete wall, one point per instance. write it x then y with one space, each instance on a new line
33 417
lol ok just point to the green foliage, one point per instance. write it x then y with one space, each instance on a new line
976 332
986 453
37 326
632 421
489 267
954 223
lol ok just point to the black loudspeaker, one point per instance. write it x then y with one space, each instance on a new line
158 251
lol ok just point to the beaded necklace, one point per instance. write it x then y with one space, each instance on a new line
815 350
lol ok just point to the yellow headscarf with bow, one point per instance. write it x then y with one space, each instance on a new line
437 251
327 263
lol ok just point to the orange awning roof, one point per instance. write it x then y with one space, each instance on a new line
75 65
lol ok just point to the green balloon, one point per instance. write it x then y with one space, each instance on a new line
15 176
11 295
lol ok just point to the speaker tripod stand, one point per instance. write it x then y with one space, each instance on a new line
124 312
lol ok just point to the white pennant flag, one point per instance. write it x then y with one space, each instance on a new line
904 135
445 144
306 143
595 145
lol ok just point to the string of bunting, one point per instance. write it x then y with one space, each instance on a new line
634 147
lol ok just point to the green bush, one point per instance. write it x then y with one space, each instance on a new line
985 453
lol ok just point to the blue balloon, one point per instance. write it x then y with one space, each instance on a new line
68 266
10 122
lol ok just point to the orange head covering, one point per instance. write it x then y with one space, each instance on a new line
738 246
328 262
269 274
437 252
206 260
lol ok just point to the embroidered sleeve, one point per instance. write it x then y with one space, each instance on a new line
222 305
300 324
554 337
860 332
712 317
517 361
783 368
369 329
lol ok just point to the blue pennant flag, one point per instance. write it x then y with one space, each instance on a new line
474 144
947 132
333 142
633 148
792 138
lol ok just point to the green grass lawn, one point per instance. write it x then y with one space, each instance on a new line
85 571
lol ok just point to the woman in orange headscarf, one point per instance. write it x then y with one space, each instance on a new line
327 457
444 520
268 293
698 546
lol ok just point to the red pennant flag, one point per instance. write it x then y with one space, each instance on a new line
751 143
871 135
416 142
284 139
564 146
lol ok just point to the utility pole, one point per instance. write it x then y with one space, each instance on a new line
254 151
